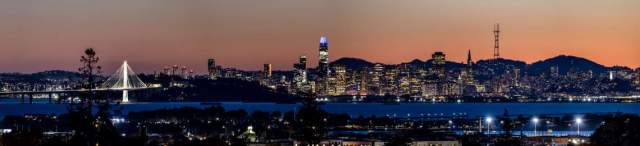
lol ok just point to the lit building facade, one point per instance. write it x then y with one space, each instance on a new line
214 70
323 62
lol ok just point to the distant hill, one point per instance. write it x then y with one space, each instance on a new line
429 63
499 66
565 64
353 63
54 74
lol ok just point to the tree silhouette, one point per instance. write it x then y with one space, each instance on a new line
311 119
507 124
89 130
619 130
89 70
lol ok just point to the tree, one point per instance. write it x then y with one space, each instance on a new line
311 119
507 127
88 129
522 122
619 130
89 70
507 124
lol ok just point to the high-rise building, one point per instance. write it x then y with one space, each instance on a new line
212 68
174 70
376 78
341 79
183 72
300 77
266 70
438 60
438 64
469 61
165 70
467 74
323 63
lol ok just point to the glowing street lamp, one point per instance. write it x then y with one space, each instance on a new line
535 125
488 120
578 122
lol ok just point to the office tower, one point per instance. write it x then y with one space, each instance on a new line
376 78
183 72
469 61
300 77
611 77
174 70
165 70
438 64
302 63
341 79
213 71
266 70
323 63
438 60
467 74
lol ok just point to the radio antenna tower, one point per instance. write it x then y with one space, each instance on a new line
496 48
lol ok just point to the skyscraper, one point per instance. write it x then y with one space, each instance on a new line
211 66
438 60
469 61
300 77
438 63
323 63
267 70
467 74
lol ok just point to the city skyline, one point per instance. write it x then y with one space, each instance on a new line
50 36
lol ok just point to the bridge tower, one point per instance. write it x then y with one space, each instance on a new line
124 79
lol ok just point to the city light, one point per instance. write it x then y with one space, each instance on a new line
578 120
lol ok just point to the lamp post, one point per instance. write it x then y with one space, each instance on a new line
578 122
535 126
489 120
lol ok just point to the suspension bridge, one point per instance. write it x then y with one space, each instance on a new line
124 79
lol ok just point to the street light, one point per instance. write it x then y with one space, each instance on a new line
488 121
578 122
535 125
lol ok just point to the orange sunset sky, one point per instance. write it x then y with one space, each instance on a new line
37 35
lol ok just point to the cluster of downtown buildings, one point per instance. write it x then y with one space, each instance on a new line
439 79
564 78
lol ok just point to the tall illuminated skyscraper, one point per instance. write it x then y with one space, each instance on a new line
300 77
323 63
267 70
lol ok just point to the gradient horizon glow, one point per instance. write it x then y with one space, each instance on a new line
38 35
